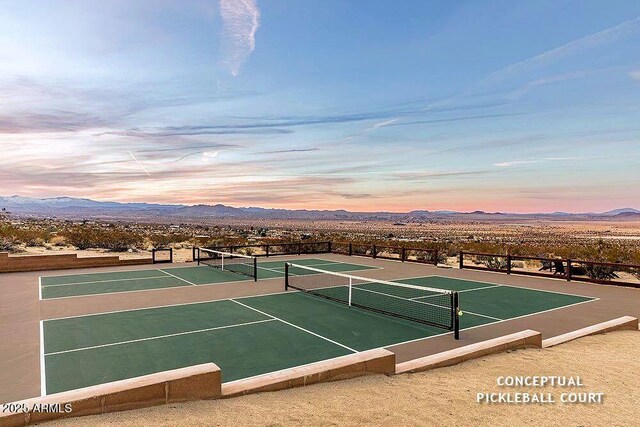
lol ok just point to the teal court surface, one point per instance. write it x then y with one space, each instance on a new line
254 335
65 286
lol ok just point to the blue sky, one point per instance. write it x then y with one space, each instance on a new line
378 105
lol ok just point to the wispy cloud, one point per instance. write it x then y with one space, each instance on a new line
424 176
295 150
240 21
579 45
546 159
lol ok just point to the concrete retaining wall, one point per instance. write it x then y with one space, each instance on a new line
179 385
11 264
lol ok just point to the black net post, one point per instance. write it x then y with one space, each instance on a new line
508 263
255 269
461 255
403 255
350 249
267 250
196 251
374 251
435 257
171 255
569 268
286 276
456 316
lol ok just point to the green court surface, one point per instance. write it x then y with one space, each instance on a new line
65 286
256 335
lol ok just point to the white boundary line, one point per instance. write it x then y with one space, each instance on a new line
420 302
179 278
168 287
466 290
426 338
494 323
499 284
126 292
261 295
193 265
39 288
103 281
371 279
295 326
74 350
98 273
43 375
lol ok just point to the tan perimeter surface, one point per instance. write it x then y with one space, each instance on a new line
21 311
606 363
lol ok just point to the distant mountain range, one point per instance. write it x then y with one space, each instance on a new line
75 208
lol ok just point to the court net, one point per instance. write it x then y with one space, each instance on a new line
226 261
435 307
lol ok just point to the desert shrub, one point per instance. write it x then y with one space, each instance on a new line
112 239
498 263
31 237
7 244
166 240
120 241
600 272
82 237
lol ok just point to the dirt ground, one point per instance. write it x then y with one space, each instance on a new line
605 363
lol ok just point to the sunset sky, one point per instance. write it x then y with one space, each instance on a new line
325 104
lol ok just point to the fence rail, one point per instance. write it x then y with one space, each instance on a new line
607 273
271 249
397 253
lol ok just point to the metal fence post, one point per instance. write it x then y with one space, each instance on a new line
508 263
435 257
569 268
404 254
374 251
350 249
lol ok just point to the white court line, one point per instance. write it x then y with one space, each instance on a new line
168 287
43 375
124 292
159 337
590 298
103 281
329 262
493 323
179 278
426 338
271 269
281 269
39 288
295 326
425 303
465 290
496 284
